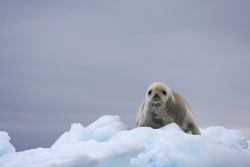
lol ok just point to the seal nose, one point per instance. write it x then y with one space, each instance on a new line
156 95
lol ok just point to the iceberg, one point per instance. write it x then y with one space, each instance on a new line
110 143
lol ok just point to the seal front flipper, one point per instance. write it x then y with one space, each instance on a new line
194 129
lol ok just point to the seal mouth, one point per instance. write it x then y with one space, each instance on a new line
156 98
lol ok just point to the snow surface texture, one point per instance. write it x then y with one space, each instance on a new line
110 143
5 146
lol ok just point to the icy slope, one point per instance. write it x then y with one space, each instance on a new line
5 146
109 143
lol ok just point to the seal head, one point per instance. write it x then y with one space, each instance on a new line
157 94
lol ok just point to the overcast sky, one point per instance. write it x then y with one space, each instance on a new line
65 62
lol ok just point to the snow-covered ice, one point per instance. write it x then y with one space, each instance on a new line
110 143
5 146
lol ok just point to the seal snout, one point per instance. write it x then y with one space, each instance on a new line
156 97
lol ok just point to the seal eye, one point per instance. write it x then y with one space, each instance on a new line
164 92
149 92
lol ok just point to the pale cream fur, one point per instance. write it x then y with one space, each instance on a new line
158 109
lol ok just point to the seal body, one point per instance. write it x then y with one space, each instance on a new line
163 106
